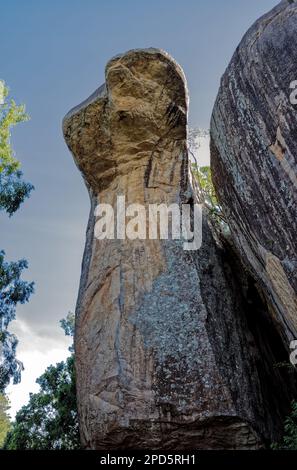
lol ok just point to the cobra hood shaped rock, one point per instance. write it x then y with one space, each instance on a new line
165 358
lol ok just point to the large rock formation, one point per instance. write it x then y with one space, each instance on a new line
165 354
253 158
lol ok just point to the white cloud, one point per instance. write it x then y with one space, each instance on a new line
36 352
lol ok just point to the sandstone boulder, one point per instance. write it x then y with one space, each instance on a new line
165 355
253 158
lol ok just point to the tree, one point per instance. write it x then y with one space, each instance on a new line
4 418
203 176
195 134
13 191
67 324
12 291
49 420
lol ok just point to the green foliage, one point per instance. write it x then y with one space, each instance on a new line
284 365
67 324
10 115
13 290
13 191
49 420
289 441
4 418
204 179
203 176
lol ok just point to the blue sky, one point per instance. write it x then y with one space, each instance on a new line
53 55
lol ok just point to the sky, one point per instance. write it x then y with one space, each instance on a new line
53 54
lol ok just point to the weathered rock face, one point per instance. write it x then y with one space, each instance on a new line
253 158
165 355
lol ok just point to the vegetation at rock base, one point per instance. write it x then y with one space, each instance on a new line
49 420
13 191
289 441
